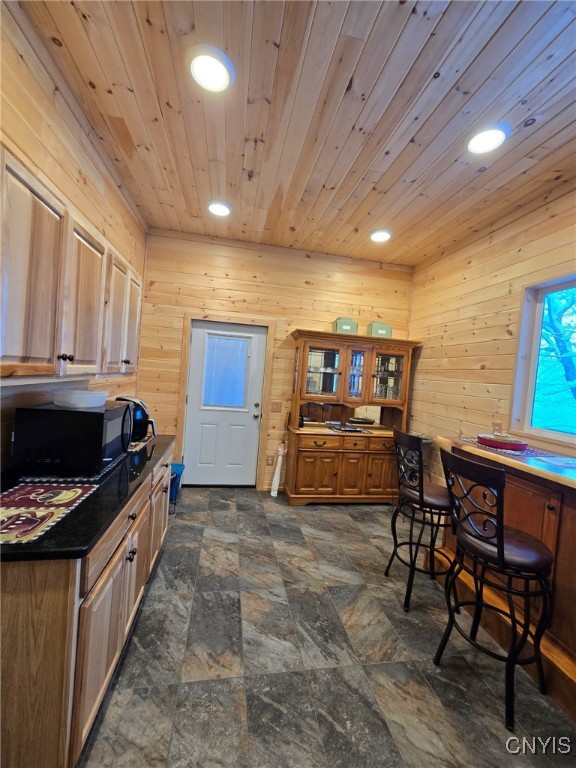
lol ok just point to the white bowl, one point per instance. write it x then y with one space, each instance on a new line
80 398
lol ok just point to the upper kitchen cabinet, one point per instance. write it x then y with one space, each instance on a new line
69 306
83 306
33 235
123 299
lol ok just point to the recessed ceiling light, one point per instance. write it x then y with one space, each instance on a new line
380 235
219 209
211 67
489 138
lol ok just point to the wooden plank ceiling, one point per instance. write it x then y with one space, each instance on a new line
345 116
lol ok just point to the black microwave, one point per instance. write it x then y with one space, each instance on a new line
50 440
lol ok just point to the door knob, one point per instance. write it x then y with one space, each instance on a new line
255 415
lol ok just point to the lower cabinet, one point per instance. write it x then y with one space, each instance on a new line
159 503
340 467
64 625
105 619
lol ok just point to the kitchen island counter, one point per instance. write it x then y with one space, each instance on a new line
540 499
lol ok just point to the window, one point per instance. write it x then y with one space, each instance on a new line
545 388
225 371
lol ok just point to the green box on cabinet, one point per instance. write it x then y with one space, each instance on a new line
380 329
344 325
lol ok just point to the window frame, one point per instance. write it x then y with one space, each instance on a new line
531 315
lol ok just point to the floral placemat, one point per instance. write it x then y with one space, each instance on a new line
30 509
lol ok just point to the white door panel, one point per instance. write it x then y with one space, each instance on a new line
223 414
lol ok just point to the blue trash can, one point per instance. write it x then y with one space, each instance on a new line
175 477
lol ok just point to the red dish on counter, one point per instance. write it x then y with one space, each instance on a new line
504 442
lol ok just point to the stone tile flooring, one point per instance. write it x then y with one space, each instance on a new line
270 637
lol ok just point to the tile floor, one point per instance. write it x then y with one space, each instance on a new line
270 637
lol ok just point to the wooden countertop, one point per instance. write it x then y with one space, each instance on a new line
557 467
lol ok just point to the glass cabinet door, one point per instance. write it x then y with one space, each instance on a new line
387 376
322 372
356 374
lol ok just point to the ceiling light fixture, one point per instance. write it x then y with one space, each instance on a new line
380 235
219 209
211 67
489 138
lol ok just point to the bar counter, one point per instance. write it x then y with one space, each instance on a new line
540 499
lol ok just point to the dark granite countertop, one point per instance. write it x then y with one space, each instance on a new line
77 532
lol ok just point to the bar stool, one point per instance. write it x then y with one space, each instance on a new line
512 564
425 505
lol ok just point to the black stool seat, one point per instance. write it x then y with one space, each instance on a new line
426 507
433 497
522 551
509 569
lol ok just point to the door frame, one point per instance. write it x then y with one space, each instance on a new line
215 317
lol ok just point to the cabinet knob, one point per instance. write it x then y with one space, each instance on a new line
126 362
354 444
551 507
63 356
319 443
167 464
165 489
132 516
132 555
70 357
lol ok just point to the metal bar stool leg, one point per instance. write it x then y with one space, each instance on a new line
394 539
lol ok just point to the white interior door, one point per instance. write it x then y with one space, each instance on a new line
224 404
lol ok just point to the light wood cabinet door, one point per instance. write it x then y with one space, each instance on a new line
123 299
100 640
33 233
159 506
137 570
134 298
317 473
83 320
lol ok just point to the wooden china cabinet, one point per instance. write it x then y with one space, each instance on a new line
329 456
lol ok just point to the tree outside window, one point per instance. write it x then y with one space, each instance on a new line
554 401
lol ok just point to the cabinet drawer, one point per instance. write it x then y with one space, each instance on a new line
380 443
331 442
95 562
358 443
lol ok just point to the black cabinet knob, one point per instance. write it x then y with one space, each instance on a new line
133 516
63 356
132 555
165 489
551 507
70 357
126 362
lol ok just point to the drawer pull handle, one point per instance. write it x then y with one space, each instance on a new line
132 555
132 516
319 443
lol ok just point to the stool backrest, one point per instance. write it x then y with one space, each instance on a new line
476 500
409 451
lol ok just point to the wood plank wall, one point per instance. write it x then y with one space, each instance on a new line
238 282
40 129
466 311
